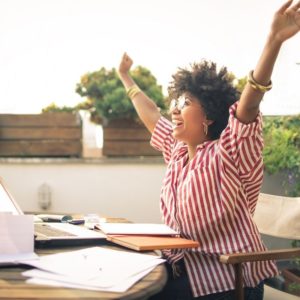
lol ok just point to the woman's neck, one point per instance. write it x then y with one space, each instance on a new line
192 151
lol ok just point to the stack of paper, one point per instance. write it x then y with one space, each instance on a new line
16 238
93 268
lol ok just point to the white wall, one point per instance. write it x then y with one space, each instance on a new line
129 190
111 187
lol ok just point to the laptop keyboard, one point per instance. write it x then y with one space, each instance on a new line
46 230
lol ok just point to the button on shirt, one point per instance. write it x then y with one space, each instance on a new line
212 199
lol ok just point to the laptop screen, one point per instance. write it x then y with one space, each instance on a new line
7 204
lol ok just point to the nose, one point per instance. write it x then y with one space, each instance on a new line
175 110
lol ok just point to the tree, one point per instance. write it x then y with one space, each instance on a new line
106 97
241 82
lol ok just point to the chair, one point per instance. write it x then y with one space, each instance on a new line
275 216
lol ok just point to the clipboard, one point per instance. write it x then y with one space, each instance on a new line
146 242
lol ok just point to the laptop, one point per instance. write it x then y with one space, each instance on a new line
51 234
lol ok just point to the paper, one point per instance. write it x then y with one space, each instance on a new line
16 238
46 278
6 202
136 229
94 267
17 258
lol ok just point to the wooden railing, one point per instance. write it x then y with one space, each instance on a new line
41 135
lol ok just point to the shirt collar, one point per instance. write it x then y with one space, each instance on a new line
184 148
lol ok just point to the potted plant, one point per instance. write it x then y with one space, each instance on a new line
109 106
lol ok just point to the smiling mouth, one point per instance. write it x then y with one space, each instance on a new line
177 124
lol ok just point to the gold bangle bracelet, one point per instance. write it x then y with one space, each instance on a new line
130 88
132 91
257 86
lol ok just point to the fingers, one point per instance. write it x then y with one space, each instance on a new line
296 6
293 9
297 20
294 14
126 57
285 6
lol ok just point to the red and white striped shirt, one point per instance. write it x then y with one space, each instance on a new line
212 200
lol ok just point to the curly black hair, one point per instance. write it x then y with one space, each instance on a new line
213 89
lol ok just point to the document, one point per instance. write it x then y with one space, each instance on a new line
46 278
16 238
136 229
8 259
93 268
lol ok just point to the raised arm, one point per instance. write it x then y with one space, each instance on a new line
286 23
146 109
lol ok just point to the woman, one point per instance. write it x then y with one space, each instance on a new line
214 154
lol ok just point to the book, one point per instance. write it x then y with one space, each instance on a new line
145 242
136 229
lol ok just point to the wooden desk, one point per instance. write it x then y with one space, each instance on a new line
13 286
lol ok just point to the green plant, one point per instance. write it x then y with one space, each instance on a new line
294 287
282 154
52 107
106 98
282 150
296 244
282 146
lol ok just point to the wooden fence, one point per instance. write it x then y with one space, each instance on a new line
41 135
127 138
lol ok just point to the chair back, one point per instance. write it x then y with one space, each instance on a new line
278 216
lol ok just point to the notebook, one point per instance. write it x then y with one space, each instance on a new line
50 233
145 243
145 236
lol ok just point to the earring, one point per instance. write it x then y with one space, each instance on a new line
205 128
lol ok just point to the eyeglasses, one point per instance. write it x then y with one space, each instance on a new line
179 103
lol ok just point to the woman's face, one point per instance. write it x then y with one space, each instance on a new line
188 117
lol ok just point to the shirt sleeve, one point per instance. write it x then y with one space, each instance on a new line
242 143
162 139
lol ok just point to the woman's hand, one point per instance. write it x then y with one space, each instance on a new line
285 24
144 106
125 64
286 21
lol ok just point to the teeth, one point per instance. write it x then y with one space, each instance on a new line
176 122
